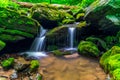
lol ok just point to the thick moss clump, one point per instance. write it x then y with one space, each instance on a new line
88 48
80 17
34 65
10 19
116 74
68 21
2 45
113 51
113 62
7 63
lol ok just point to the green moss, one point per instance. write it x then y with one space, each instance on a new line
2 45
60 53
116 74
80 16
15 32
34 65
110 59
82 24
100 43
7 63
68 21
88 48
11 19
7 37
114 62
113 51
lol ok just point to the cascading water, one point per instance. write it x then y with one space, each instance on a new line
71 32
37 47
38 43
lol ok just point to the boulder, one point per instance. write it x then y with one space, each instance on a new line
15 27
55 36
21 64
108 57
49 17
104 15
88 48
116 74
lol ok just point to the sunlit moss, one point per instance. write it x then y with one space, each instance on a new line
88 48
2 45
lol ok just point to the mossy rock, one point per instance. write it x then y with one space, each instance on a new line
80 16
68 21
7 63
116 74
49 17
113 51
60 53
2 45
88 48
34 65
104 15
113 62
100 43
11 19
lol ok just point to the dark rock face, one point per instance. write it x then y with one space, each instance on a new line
15 27
105 16
59 37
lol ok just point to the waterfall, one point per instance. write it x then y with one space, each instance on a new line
71 31
37 47
38 43
71 37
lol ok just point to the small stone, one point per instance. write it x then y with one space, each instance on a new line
75 55
14 75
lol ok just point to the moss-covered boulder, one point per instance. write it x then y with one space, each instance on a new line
113 51
113 62
116 74
110 59
15 27
104 15
88 48
2 45
48 16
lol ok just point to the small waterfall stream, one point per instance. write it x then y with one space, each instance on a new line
38 43
71 35
71 38
37 47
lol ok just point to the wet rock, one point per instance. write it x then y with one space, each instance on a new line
74 55
21 64
14 75
104 15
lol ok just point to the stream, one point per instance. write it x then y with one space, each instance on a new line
71 67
